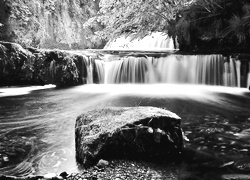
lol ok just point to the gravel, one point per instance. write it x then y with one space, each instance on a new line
128 169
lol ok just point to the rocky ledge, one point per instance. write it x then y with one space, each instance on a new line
30 66
127 132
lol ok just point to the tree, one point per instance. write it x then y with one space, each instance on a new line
141 17
49 24
213 24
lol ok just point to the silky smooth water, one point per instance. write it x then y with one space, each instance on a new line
155 41
177 69
37 126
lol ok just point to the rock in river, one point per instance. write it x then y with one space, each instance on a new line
127 132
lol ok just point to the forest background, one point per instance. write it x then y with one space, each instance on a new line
197 25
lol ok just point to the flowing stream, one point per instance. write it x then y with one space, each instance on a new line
37 126
37 123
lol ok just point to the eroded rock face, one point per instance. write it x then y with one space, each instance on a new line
50 24
30 66
127 132
16 64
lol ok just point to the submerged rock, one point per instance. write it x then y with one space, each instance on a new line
127 132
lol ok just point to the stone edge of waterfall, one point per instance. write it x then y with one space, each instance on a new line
21 66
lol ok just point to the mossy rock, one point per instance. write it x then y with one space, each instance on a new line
127 132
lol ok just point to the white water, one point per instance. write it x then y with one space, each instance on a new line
155 41
231 74
138 67
248 76
14 91
177 69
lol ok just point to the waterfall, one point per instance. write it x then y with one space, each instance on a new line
128 70
230 73
191 69
175 69
155 41
248 76
85 70
90 70
98 71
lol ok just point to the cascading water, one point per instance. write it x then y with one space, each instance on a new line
129 70
248 76
231 73
191 69
155 41
98 71
138 67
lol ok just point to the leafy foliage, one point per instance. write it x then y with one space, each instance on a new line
199 25
48 23
141 17
216 24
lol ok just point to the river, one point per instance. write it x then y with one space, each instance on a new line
37 123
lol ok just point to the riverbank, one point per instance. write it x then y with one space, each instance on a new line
145 170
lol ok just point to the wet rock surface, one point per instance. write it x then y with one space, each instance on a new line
31 66
127 132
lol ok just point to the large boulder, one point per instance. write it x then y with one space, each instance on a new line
127 132
31 66
16 64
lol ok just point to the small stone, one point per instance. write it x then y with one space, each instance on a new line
5 159
150 130
102 163
235 177
227 164
20 150
64 174
243 150
220 139
50 176
11 154
185 137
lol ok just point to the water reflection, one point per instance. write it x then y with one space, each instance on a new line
37 129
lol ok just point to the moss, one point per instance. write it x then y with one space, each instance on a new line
19 66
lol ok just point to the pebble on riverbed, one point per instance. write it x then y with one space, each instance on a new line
128 169
117 169
102 163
